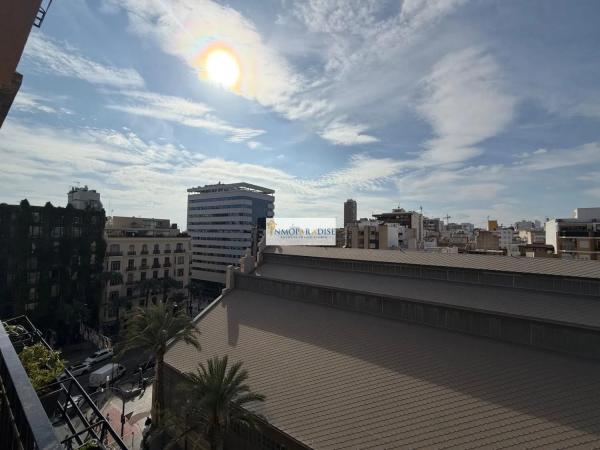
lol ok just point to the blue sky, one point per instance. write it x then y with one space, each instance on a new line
467 108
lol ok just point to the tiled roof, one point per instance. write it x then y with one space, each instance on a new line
545 306
543 266
337 379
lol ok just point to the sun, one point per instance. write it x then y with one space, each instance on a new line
221 67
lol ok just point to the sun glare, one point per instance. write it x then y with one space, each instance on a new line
222 68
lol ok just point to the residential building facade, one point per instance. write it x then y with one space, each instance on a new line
225 220
577 237
84 198
51 259
350 212
141 249
408 219
372 234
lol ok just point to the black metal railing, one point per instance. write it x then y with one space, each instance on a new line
23 421
25 413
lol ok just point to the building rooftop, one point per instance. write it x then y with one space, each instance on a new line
340 379
223 187
546 266
581 311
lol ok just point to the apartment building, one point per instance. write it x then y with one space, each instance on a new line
140 249
408 219
505 236
369 233
224 220
577 237
350 212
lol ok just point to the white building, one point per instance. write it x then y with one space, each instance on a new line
577 237
224 221
506 236
84 198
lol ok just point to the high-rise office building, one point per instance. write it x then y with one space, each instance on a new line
349 212
224 221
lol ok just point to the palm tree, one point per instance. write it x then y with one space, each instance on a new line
151 329
219 395
168 284
147 286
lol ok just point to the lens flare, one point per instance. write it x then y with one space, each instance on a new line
222 68
219 64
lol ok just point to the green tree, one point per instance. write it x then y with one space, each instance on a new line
168 284
145 287
219 394
42 364
151 329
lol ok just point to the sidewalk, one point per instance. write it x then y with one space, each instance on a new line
137 409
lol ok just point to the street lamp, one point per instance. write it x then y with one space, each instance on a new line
122 396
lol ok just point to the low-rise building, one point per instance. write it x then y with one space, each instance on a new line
505 236
386 349
577 237
408 219
486 240
369 233
141 249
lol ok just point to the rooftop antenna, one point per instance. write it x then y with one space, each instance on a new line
447 217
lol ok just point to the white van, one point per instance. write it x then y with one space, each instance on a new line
110 371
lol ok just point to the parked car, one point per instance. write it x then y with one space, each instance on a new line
100 355
109 372
76 370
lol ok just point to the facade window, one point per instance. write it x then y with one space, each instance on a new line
131 264
115 248
33 277
167 248
129 292
115 266
167 261
32 293
142 276
131 250
179 272
54 290
166 273
155 263
144 262
179 247
156 249
114 295
34 231
144 249
129 278
180 260
155 274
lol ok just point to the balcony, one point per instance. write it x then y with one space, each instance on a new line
156 252
24 423
131 253
167 264
168 250
144 267
130 268
156 266
115 253
144 252
179 250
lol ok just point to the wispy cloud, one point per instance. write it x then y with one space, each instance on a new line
26 101
465 102
51 56
182 111
340 133
543 159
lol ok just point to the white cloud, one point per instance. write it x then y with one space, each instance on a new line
51 57
585 154
465 102
28 102
340 133
181 111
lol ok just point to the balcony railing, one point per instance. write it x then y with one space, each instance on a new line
144 267
24 423
156 252
168 250
167 264
144 252
156 266
131 253
179 250
115 253
131 268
